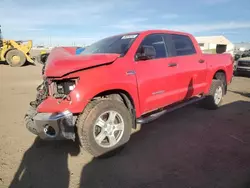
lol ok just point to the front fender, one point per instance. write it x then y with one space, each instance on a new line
79 98
84 96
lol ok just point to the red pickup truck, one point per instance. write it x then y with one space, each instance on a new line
123 80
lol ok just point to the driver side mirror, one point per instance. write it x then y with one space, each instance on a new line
145 53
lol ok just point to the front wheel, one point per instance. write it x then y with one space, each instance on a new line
215 96
15 58
104 126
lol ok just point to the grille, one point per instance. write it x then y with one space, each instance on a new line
244 63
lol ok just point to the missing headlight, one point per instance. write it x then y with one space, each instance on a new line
64 87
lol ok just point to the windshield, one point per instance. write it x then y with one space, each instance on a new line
116 44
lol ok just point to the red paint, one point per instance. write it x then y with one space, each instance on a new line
187 79
69 49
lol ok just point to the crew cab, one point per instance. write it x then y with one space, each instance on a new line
118 82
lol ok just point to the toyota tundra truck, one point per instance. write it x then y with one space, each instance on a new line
122 81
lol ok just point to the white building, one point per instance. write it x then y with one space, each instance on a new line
215 44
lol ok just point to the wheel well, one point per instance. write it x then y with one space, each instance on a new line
216 77
123 96
219 71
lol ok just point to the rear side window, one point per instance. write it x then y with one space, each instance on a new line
183 45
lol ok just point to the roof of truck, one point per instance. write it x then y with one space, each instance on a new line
154 31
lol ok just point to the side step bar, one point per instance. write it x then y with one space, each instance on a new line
168 109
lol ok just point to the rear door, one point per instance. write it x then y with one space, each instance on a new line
156 77
191 76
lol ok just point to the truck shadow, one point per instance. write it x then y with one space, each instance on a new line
45 164
185 148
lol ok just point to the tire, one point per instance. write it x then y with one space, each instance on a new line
21 59
221 76
86 126
209 102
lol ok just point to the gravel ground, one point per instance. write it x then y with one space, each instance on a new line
190 147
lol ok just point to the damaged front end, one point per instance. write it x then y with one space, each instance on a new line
49 126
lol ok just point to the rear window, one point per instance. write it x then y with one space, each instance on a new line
183 45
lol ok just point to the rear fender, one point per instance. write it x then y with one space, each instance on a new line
211 75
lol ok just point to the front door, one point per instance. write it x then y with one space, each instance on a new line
156 77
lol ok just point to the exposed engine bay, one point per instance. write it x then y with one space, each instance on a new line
42 93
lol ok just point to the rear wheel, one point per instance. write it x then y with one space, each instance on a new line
15 58
104 126
221 76
215 96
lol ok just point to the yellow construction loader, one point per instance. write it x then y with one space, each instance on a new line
15 53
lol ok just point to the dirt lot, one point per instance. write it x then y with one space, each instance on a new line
191 147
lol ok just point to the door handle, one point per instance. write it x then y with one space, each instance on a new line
201 61
172 64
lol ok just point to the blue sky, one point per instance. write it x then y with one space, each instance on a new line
64 22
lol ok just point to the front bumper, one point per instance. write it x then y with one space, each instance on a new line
52 126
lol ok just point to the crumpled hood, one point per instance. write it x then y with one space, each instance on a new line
61 62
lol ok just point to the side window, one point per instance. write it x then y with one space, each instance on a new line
157 42
183 45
